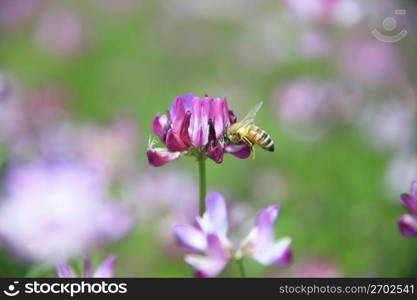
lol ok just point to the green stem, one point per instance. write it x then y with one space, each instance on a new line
241 267
203 184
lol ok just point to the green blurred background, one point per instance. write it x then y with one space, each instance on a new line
134 59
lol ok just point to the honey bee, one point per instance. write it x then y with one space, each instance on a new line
248 133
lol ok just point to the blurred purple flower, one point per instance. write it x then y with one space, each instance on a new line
111 147
60 32
51 212
209 238
313 267
389 124
194 126
11 112
13 13
261 244
371 61
407 223
314 44
105 270
307 106
37 126
343 12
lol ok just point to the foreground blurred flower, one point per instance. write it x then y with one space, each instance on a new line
51 212
209 238
408 223
260 242
105 270
194 126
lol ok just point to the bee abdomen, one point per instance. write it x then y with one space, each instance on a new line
267 143
263 139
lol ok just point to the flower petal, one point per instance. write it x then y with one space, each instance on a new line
275 253
265 225
216 153
160 126
408 225
63 270
158 156
174 142
213 263
184 134
200 127
216 213
219 114
105 270
240 151
190 237
232 117
177 113
285 258
410 203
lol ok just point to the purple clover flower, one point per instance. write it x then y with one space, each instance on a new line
104 270
54 211
407 223
211 249
194 126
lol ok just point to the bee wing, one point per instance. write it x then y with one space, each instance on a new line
250 117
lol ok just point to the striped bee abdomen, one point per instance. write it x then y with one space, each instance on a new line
260 137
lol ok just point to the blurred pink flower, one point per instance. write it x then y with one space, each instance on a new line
314 44
407 223
105 270
312 267
13 12
11 113
308 107
60 32
111 147
367 60
39 126
209 237
45 106
342 12
260 243
194 126
53 211
389 124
